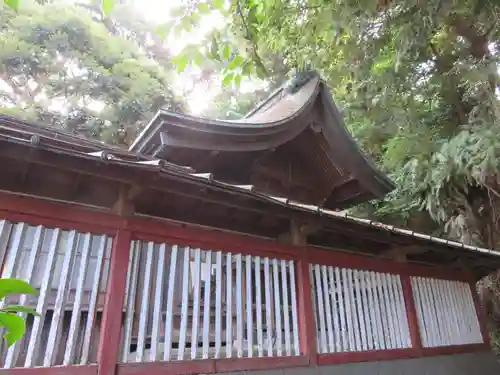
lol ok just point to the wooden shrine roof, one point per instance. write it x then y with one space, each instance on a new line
49 164
294 145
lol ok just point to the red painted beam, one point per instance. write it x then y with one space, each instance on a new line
481 314
455 349
51 214
368 356
307 323
210 366
113 305
411 313
59 370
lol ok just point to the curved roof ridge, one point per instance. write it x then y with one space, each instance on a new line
298 128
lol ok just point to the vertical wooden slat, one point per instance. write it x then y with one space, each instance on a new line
458 311
404 324
277 309
14 254
453 321
360 315
398 343
229 305
321 310
169 315
339 284
469 318
13 351
286 308
132 293
328 310
366 310
218 304
353 308
334 310
258 308
377 305
94 294
475 307
385 323
314 303
267 283
5 232
76 312
158 301
440 303
196 302
144 311
307 325
433 309
113 305
372 309
184 304
388 311
206 305
295 321
62 291
41 307
239 307
249 305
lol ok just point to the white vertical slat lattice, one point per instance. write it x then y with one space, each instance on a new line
206 304
57 263
446 312
57 316
249 305
258 308
358 310
196 277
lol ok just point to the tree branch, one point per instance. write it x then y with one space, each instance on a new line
249 37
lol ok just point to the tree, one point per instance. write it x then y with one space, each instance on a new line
416 81
63 68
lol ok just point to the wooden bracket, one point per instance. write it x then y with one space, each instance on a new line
124 204
298 232
400 253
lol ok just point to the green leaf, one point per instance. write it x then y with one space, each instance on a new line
235 63
198 59
181 62
237 80
14 4
19 309
228 79
218 4
107 6
204 8
15 326
14 286
227 52
164 29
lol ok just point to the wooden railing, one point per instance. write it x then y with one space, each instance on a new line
139 295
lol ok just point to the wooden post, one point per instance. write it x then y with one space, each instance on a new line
113 305
480 312
411 313
307 324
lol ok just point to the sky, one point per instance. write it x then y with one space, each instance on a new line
158 11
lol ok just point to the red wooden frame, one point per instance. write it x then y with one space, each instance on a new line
62 370
40 212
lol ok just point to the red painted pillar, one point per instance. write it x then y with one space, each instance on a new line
307 324
411 312
481 313
113 305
